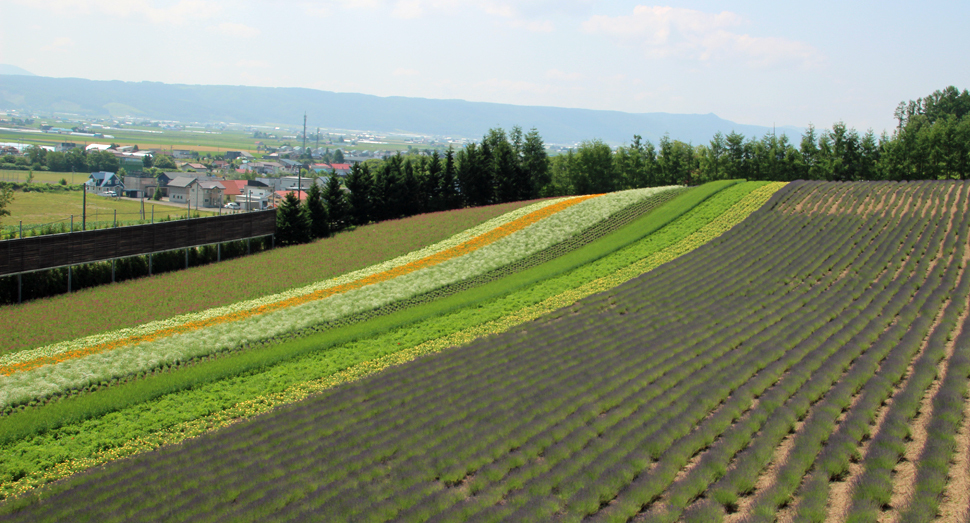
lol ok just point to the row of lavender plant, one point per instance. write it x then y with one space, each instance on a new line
591 411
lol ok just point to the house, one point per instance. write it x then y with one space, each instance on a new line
140 186
257 188
343 169
279 196
233 188
255 195
183 154
63 147
275 184
232 155
197 167
290 166
102 182
212 194
184 189
288 183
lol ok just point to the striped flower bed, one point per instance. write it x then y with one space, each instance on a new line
623 266
76 365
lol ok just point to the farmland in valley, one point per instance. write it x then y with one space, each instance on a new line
732 352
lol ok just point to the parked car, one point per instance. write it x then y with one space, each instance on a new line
111 194
231 205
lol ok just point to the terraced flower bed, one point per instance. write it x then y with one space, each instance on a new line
134 425
740 352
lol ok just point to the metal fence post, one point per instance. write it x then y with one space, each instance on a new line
69 279
186 258
218 252
20 287
112 271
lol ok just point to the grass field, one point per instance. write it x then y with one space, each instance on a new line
34 208
17 176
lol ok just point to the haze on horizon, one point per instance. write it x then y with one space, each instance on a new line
752 62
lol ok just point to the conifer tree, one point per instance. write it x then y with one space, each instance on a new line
317 212
292 222
432 184
336 202
360 185
449 184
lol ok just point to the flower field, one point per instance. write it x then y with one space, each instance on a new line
44 322
733 352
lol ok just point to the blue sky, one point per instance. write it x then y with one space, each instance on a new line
752 62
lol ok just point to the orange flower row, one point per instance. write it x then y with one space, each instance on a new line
459 250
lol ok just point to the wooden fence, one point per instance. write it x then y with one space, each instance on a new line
64 250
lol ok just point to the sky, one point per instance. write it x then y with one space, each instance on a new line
752 62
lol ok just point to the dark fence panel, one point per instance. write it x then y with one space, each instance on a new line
58 250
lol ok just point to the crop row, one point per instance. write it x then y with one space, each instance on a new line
598 230
889 349
242 306
26 385
36 324
319 363
771 418
479 367
595 410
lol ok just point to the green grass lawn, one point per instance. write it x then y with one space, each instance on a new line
43 177
41 208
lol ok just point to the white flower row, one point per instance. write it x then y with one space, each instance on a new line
215 312
39 382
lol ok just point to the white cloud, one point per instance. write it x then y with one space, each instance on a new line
58 44
153 11
673 32
238 30
400 71
252 63
556 74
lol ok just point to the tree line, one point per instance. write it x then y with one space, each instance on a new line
503 167
931 141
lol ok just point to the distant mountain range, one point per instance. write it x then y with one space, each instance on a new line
395 114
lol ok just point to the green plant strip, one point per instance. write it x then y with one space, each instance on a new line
29 422
113 429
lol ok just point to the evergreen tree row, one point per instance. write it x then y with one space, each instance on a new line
504 167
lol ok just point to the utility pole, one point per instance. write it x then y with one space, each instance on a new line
299 174
84 207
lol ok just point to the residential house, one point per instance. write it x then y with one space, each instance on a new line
212 193
288 183
254 195
102 182
140 186
279 196
275 184
185 190
183 154
290 166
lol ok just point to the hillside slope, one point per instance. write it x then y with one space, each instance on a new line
809 364
52 438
